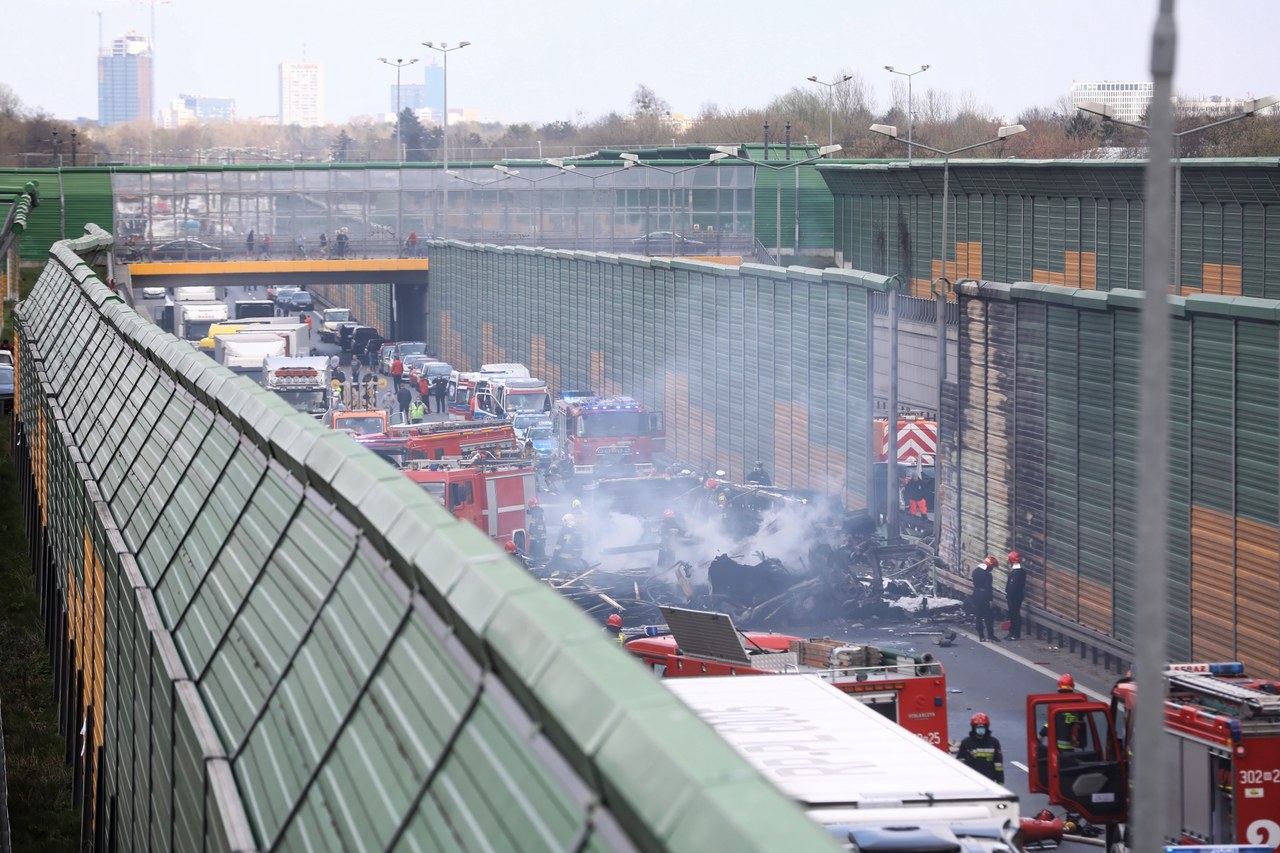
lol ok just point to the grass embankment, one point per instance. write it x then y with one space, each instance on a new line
41 816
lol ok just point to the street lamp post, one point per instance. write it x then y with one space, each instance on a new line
831 87
939 287
398 64
571 169
730 151
1107 113
911 115
635 158
444 50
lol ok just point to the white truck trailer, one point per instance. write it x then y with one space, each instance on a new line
872 783
245 352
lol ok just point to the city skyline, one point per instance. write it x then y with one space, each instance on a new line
569 70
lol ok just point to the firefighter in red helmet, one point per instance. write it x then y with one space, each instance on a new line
983 592
1015 589
613 626
981 750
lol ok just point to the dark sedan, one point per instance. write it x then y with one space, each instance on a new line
294 300
6 387
186 250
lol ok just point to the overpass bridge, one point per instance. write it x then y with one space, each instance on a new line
391 271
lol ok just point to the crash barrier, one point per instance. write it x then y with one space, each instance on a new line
263 637
746 362
1044 460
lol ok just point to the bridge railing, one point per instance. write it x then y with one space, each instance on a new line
264 637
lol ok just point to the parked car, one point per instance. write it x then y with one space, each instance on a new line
361 336
412 363
659 239
386 354
345 330
153 292
6 388
186 249
296 300
277 292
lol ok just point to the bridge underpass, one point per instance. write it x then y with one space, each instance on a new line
406 279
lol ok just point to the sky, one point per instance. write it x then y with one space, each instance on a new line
553 60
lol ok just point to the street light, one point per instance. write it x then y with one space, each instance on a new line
450 173
571 169
911 116
890 131
635 158
1107 113
444 50
731 151
398 64
831 87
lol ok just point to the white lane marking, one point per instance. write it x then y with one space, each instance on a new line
1019 765
1043 670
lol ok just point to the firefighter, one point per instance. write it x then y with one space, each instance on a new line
1015 588
669 530
569 545
758 476
537 530
613 627
1069 729
981 750
982 595
914 493
511 549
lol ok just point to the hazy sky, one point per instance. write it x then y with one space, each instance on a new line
547 60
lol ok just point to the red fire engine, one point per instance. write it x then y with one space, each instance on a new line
457 438
917 440
607 436
492 495
1224 728
908 689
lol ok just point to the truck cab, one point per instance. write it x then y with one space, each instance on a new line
608 436
362 422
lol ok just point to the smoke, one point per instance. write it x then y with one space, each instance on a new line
621 528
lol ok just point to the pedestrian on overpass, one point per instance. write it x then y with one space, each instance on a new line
248 244
981 750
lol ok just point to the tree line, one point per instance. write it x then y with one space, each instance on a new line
30 137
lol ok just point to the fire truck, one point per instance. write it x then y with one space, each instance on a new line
607 436
451 438
491 494
1222 728
908 689
917 440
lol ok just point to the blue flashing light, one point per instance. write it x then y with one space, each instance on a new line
1233 726
1219 668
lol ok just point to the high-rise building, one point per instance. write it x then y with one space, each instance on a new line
190 109
1129 99
413 96
124 80
301 94
434 100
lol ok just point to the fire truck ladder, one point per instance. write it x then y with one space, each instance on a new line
1255 702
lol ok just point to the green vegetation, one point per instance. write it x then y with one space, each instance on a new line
40 812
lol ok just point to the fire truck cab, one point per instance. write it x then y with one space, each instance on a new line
492 495
453 439
1222 727
607 436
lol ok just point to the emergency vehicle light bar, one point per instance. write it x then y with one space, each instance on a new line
1220 668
